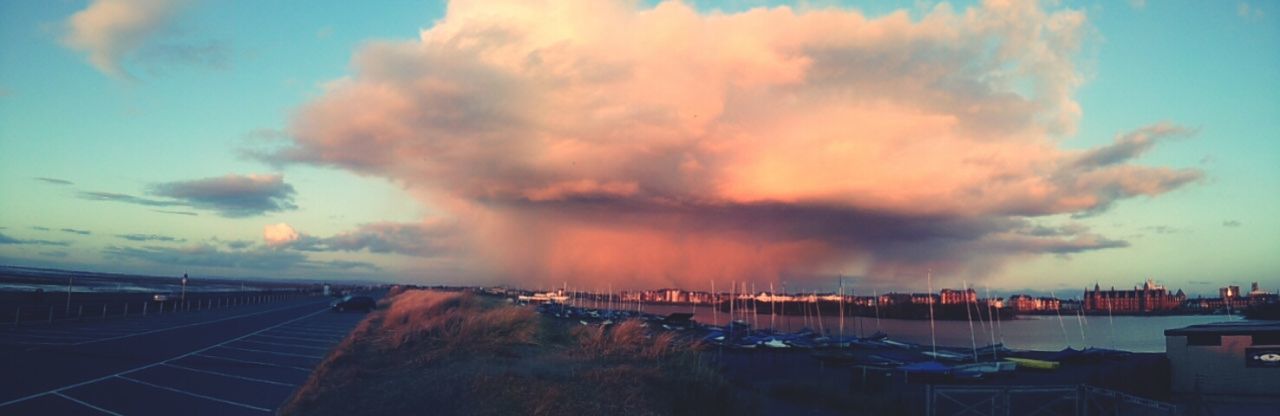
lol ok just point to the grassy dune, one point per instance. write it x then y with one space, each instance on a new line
453 353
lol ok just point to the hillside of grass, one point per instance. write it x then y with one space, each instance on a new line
427 352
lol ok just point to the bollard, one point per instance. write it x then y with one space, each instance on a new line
50 314
80 312
144 308
126 310
104 311
17 316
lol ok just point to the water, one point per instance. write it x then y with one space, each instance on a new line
1037 332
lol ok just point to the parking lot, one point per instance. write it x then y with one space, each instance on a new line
234 361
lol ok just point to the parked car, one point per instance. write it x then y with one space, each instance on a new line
354 303
162 297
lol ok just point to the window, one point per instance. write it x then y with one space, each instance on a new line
1204 339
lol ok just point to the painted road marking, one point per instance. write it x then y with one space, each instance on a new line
216 373
288 345
273 352
86 404
247 406
218 357
158 363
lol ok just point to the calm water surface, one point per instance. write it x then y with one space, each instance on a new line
1130 333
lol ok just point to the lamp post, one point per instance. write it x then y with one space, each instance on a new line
184 287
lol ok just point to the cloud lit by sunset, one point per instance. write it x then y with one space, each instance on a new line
644 144
579 140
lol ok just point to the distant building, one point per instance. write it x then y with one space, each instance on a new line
956 297
908 298
1027 303
1150 298
1230 292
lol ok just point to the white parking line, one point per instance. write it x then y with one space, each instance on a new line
246 406
86 404
187 325
287 345
326 341
273 352
216 373
314 333
219 357
196 352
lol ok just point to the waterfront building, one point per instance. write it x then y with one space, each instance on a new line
1229 292
1027 303
1149 298
956 297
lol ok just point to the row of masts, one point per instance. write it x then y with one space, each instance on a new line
741 311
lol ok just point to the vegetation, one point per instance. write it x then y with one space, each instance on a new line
455 353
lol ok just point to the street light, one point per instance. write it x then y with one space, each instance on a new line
184 287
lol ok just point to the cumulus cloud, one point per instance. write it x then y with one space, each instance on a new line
578 140
277 235
230 195
111 32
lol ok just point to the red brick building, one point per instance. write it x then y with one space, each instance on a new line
1150 298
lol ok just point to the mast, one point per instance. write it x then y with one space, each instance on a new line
817 313
841 294
876 293
933 333
773 307
1058 310
991 320
1081 322
715 300
973 341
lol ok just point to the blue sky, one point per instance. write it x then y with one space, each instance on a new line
218 80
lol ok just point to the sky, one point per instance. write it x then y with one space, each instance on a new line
1003 144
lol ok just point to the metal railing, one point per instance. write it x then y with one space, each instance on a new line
1066 400
51 313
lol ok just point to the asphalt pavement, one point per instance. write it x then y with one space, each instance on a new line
239 360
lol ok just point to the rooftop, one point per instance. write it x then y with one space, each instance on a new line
1229 328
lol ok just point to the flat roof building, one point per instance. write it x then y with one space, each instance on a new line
1235 360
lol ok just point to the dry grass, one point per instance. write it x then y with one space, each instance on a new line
453 353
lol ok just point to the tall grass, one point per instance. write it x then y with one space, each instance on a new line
454 353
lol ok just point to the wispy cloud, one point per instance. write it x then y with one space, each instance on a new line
187 213
75 231
1249 12
128 199
1231 223
230 196
149 237
111 32
7 240
54 181
208 255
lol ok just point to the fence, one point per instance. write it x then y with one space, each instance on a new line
100 310
1081 400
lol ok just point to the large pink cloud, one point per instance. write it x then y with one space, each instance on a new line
585 140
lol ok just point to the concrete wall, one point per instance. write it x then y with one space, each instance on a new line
1220 369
